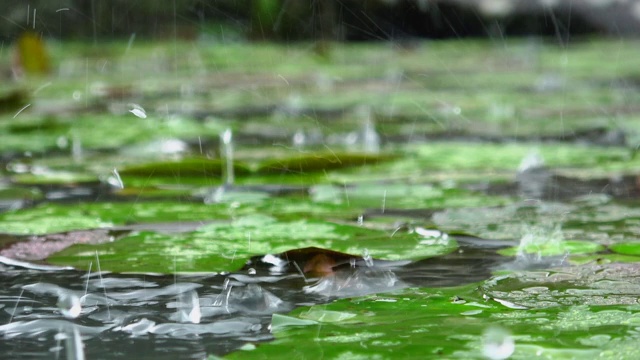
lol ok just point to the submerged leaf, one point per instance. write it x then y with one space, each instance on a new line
315 162
195 167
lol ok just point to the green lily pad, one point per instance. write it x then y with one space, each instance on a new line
188 167
51 218
603 259
445 323
626 248
314 162
56 178
552 248
19 193
401 196
226 246
487 160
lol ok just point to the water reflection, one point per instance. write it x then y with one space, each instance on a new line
191 316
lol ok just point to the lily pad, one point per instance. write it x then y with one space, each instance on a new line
53 218
447 323
226 246
314 162
398 195
188 167
551 248
626 248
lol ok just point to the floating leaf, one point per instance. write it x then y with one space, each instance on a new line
53 218
189 167
552 248
227 246
314 162
397 195
626 248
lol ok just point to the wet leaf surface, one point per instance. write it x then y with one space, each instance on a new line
226 246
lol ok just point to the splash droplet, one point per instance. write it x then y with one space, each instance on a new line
497 343
69 305
138 111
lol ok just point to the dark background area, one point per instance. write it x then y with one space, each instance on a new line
292 20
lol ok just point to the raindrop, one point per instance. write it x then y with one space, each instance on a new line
76 148
369 136
226 149
116 180
497 343
74 345
21 110
368 260
131 39
138 111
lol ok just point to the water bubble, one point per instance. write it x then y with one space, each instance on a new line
62 142
497 343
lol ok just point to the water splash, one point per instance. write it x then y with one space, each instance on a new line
188 306
535 242
369 138
497 343
69 305
358 281
533 177
115 180
533 160
138 111
366 256
222 300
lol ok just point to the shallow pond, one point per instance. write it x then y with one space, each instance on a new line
192 200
